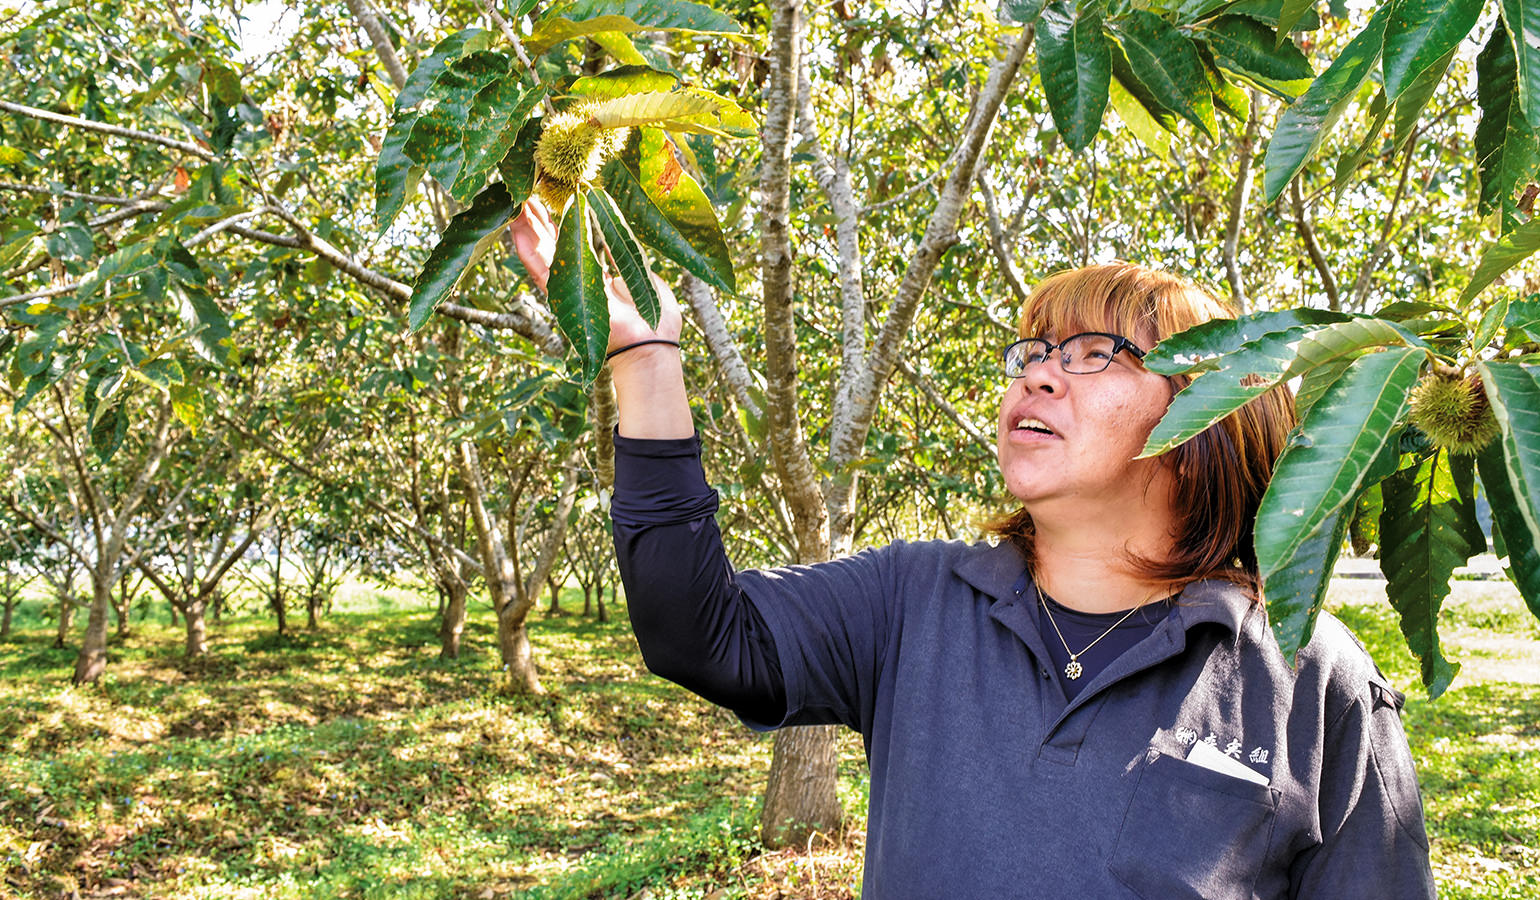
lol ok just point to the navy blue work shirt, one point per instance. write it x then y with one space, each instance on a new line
1198 764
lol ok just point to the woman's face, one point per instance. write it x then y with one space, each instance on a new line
1072 439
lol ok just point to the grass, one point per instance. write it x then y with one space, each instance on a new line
352 762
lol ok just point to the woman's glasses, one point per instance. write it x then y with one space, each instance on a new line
1080 354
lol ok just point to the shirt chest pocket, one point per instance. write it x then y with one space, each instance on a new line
1193 832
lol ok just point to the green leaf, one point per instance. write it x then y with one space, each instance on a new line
669 212
187 406
1297 591
455 251
1510 250
1514 392
1521 19
1270 11
1349 338
1133 114
1229 97
1522 322
1313 384
518 166
1201 346
1414 98
1246 373
1075 65
577 290
223 83
1507 149
1307 121
1364 532
436 139
1020 12
1167 64
108 428
1519 544
201 315
618 46
1421 547
670 109
565 21
492 125
71 241
395 175
1247 47
1326 459
1348 163
628 257
1420 34
1462 468
622 80
1291 13
1491 320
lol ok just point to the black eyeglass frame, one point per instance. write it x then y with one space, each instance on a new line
1119 343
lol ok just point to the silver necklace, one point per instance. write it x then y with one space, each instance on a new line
1073 669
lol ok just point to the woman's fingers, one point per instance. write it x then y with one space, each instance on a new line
534 239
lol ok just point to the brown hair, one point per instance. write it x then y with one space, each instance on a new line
1219 476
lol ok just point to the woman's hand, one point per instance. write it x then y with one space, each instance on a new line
534 237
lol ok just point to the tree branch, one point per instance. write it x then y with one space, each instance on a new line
1317 258
1237 206
997 239
89 125
380 39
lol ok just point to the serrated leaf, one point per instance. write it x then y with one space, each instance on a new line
223 82
1244 374
1075 65
1290 13
628 257
436 141
1491 320
1247 47
1509 250
656 108
1020 12
1313 384
1523 547
1420 34
1462 470
395 175
1348 163
668 211
518 165
1229 98
622 80
1297 591
1514 392
187 406
1326 459
1521 19
565 21
455 251
108 428
576 289
492 125
1414 98
1165 62
1421 547
1522 322
1133 114
1507 149
618 46
1364 531
1201 346
1307 121
201 314
1270 12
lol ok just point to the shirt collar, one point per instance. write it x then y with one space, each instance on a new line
994 570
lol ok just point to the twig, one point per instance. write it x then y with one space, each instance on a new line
104 128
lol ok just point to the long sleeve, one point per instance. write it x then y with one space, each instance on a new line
694 625
1374 841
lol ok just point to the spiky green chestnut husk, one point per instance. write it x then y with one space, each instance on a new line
573 147
1453 411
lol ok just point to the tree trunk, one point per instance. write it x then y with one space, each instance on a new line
451 626
122 608
555 589
800 798
92 659
518 658
5 617
275 602
66 619
197 642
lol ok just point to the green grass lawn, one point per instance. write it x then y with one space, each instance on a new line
352 762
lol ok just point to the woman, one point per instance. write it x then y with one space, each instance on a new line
1093 707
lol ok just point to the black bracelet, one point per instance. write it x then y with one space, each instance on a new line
619 350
